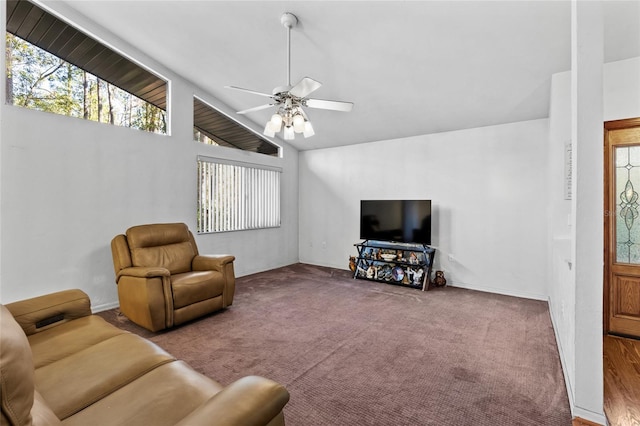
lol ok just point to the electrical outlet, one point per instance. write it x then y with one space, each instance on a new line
324 244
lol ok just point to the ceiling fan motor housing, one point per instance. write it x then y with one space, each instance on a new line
289 20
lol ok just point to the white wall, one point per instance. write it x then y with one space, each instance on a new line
561 288
487 187
621 99
68 186
622 89
587 57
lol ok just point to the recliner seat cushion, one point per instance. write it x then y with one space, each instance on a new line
193 287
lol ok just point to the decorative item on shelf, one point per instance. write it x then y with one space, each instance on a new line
371 272
417 276
379 254
352 263
388 256
399 256
385 273
397 273
440 280
362 272
409 274
413 259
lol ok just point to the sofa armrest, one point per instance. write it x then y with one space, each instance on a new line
43 312
250 401
143 272
211 262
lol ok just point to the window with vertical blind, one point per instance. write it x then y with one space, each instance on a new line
234 196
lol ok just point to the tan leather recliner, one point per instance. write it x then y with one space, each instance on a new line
163 281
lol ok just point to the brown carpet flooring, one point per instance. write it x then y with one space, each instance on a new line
354 352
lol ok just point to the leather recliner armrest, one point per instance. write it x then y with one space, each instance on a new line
211 262
43 312
250 401
143 272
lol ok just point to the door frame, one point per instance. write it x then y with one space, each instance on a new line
609 213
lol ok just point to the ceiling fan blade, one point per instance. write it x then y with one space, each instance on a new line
258 108
304 114
249 91
332 105
304 87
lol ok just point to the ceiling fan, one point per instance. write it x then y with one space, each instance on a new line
290 100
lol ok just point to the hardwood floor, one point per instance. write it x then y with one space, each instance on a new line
621 381
582 422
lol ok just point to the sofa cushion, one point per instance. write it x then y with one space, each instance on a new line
68 338
16 371
193 287
42 414
84 377
171 392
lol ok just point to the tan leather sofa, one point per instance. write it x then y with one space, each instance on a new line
162 279
60 365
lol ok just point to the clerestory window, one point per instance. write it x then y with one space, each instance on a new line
214 128
51 66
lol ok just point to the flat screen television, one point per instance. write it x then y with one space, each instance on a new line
404 221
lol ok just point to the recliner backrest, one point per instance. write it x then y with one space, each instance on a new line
169 245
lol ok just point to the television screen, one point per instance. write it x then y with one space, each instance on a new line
405 221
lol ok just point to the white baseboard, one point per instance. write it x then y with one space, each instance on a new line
495 290
575 411
567 383
590 415
104 307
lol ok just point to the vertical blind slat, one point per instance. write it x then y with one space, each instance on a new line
233 197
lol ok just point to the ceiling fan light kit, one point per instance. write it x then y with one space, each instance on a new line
290 117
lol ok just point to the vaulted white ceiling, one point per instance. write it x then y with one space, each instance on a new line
410 67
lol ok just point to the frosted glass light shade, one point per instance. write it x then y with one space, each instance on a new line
288 133
276 122
268 130
308 129
298 123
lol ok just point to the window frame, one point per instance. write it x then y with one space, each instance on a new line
224 130
33 22
251 200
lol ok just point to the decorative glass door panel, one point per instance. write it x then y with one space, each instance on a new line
627 222
622 228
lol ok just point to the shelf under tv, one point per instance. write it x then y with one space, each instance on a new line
404 264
